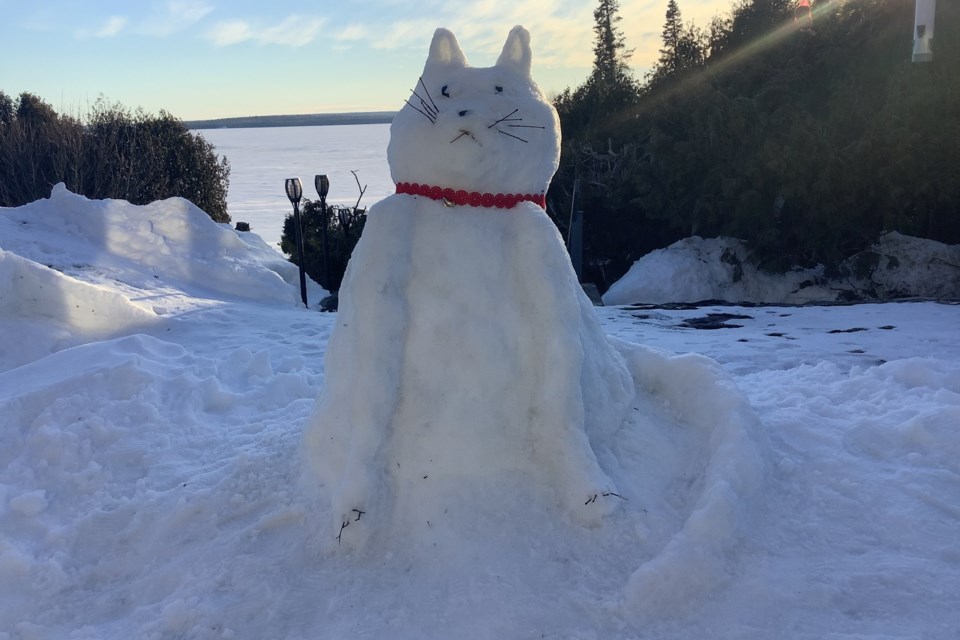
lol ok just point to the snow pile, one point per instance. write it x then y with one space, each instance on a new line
907 266
697 269
44 311
170 243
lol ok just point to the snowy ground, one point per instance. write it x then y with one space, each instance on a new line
153 387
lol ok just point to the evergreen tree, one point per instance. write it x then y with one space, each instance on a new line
611 71
610 88
684 49
672 32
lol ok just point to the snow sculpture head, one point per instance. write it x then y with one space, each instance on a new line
478 129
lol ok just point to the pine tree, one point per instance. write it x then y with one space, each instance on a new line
610 90
672 32
611 71
684 48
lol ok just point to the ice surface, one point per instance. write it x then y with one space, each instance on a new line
262 158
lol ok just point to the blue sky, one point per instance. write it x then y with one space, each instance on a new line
212 58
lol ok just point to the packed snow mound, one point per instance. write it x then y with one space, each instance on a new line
472 400
696 269
169 242
903 266
44 311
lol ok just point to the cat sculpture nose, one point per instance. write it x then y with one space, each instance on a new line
463 113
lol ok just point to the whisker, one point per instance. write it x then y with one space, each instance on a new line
432 121
426 107
511 135
462 133
526 126
503 119
435 107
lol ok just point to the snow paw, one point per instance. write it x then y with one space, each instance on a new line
591 507
353 530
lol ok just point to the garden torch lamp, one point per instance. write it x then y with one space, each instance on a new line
322 183
295 192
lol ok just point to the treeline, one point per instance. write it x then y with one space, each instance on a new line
111 153
805 133
301 120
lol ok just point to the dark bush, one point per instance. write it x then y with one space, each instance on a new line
344 226
114 153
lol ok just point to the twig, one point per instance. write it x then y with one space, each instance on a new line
511 135
362 190
504 118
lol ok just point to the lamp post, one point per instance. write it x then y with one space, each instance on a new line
322 183
295 192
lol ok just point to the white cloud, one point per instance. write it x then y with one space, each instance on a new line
188 12
230 32
557 28
352 33
294 31
111 27
174 16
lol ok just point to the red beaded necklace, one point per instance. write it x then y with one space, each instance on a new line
452 197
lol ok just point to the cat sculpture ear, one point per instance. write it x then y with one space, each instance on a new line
445 50
516 54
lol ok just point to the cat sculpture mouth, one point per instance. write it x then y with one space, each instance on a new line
465 132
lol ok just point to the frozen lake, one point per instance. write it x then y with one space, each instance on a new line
261 159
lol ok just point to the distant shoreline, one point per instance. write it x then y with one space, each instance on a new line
302 120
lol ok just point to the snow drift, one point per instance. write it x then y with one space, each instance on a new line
169 242
700 269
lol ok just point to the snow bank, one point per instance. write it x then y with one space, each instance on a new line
43 311
906 266
696 269
169 242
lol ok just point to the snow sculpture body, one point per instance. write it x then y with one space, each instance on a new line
465 355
